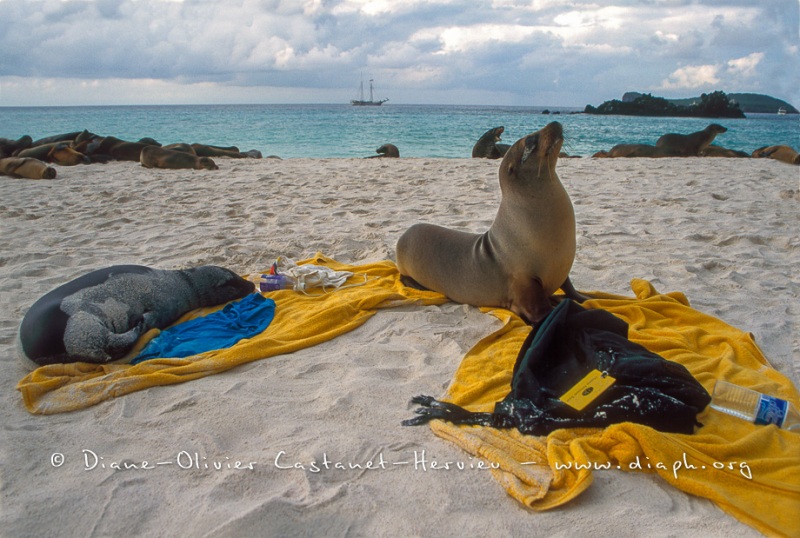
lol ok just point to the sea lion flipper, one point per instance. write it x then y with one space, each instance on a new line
571 293
529 300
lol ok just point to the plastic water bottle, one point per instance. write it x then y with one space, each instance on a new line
754 406
275 282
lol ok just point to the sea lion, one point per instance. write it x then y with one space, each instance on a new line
64 137
117 149
185 148
692 144
26 167
203 150
639 150
526 254
781 153
156 157
99 316
148 141
719 151
386 150
9 147
487 146
55 152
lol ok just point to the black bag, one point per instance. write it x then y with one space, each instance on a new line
567 345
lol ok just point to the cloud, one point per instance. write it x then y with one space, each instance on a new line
518 50
706 76
691 77
745 66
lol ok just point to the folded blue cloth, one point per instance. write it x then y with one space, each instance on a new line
218 330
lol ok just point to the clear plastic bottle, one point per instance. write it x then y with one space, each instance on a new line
754 406
275 282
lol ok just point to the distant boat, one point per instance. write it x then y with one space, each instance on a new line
781 111
362 102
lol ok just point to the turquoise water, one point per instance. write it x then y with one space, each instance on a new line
323 131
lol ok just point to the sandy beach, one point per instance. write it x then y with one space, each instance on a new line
722 231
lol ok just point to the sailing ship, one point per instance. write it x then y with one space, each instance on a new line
362 102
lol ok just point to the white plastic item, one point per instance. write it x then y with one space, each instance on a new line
754 406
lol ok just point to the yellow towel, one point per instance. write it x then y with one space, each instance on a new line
300 321
759 482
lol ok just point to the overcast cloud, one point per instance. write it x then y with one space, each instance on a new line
509 52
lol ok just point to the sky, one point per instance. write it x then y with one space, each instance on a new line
498 52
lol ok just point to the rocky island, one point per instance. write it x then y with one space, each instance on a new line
713 105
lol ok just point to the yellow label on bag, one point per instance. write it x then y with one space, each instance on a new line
587 389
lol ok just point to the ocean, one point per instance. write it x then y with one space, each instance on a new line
339 130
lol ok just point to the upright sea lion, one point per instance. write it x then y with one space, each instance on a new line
785 154
692 144
386 150
26 167
156 157
487 146
99 316
526 254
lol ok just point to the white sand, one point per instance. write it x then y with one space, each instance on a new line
719 230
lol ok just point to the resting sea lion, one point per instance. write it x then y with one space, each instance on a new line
117 149
779 153
526 254
9 147
386 150
203 150
639 150
185 148
719 151
99 316
26 167
149 141
55 152
156 157
692 144
487 146
65 137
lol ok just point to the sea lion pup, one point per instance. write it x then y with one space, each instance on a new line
26 167
780 153
156 157
99 316
386 150
487 146
526 254
692 144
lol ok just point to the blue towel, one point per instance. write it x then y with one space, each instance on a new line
218 330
